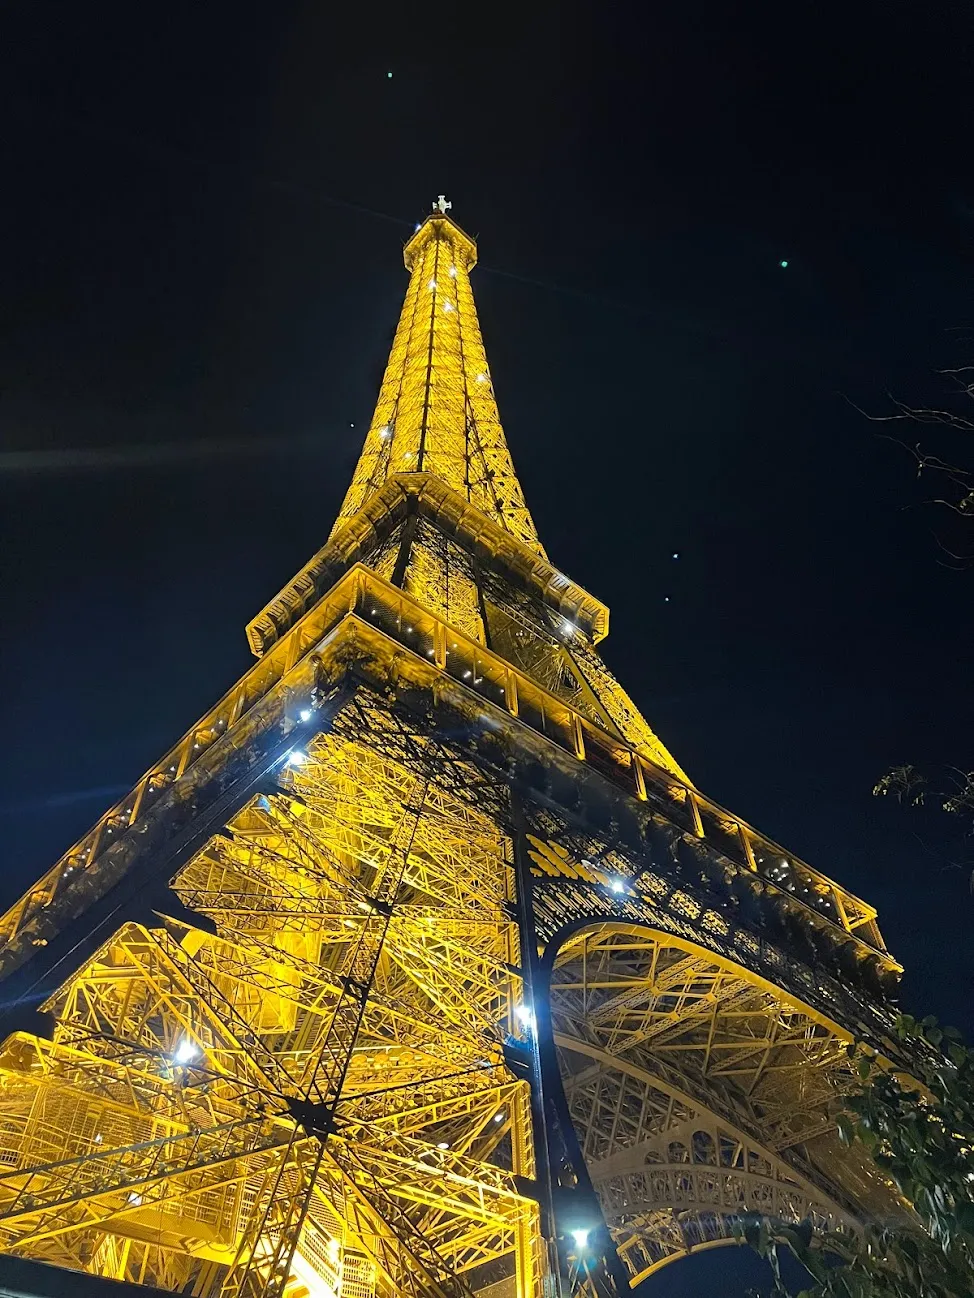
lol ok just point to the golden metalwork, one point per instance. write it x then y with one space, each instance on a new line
689 1084
482 994
436 411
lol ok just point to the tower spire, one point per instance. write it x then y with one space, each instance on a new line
436 412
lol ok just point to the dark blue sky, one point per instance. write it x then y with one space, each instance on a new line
181 286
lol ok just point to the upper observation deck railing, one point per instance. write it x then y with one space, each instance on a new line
374 608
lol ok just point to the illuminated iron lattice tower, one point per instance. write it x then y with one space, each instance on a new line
418 966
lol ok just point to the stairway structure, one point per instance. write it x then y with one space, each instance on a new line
418 966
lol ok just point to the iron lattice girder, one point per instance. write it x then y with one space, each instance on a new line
177 984
175 978
265 703
436 411
647 1152
767 1031
660 903
691 1097
419 745
421 495
104 1185
692 1141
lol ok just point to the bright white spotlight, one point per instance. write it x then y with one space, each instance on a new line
186 1051
616 885
525 1016
305 714
296 758
580 1237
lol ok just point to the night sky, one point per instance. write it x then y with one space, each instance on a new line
203 213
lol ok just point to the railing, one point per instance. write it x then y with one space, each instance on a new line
401 619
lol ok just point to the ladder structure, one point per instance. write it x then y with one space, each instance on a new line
419 966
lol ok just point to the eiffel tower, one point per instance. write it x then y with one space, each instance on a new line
418 966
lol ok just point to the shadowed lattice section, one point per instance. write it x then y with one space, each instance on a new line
699 1095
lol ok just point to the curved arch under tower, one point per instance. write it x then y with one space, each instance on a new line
699 1094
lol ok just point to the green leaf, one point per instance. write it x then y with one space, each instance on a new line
794 1240
764 1237
965 1217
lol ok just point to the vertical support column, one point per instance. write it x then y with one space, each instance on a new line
639 776
529 1246
578 736
136 808
185 754
748 848
695 813
293 649
841 910
238 705
398 577
439 644
532 982
510 692
550 1120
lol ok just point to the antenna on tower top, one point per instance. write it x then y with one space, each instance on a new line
441 205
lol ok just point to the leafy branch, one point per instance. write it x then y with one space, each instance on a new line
952 792
919 1133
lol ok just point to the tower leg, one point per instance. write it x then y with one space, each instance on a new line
539 1117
